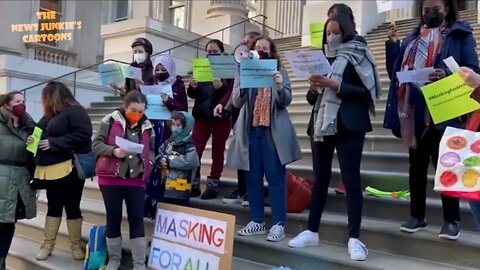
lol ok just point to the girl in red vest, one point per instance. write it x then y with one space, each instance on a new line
122 175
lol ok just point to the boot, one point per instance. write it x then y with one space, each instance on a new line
75 236
52 224
138 247
114 247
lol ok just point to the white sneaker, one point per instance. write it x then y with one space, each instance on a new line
253 228
277 233
305 239
357 250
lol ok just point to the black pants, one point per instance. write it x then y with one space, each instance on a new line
134 197
349 145
65 193
419 159
7 231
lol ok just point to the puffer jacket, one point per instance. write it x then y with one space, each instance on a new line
17 199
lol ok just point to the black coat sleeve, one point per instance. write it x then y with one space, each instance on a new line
80 131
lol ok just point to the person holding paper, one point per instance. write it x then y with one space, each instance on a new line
264 142
142 49
207 96
440 35
17 198
122 175
67 129
341 120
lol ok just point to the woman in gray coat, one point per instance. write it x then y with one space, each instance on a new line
17 199
264 142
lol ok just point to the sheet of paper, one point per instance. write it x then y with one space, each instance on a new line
316 35
223 66
132 72
157 89
111 73
129 146
449 98
202 72
256 73
307 63
415 76
37 135
388 5
451 64
156 109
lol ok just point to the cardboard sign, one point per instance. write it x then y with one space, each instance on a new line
191 237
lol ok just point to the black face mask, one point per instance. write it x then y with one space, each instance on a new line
433 19
263 55
162 76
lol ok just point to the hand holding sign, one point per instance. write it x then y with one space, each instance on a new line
34 140
437 75
322 81
472 79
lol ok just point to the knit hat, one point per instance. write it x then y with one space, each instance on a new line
145 43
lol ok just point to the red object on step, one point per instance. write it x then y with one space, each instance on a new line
473 124
299 191
340 189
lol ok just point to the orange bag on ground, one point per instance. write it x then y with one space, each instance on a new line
299 191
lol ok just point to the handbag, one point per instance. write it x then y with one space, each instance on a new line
84 164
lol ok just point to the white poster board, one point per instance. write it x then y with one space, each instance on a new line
389 5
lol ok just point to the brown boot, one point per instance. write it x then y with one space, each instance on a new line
52 224
75 235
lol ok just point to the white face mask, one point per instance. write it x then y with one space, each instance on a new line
139 57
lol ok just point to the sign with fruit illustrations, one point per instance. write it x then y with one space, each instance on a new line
458 166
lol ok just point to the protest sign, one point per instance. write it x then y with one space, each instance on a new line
132 72
36 135
256 73
156 109
111 73
389 5
449 98
223 66
202 72
307 63
193 237
316 35
420 76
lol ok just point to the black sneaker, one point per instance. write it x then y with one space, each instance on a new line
450 231
413 225
195 192
209 194
233 198
245 202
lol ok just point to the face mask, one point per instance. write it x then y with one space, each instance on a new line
334 40
133 117
139 57
176 131
263 55
19 110
162 76
433 19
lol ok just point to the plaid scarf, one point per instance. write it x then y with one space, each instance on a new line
420 53
326 108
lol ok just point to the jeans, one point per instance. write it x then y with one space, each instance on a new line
65 193
475 208
349 145
419 158
134 197
264 160
7 231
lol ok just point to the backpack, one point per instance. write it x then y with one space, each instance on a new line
96 254
299 191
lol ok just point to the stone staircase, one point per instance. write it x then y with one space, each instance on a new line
384 166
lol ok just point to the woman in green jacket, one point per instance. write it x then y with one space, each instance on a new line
17 199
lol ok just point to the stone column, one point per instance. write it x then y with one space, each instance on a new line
228 7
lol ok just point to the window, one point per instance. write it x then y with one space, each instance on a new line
121 12
178 13
49 6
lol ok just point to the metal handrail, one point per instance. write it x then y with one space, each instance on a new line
24 90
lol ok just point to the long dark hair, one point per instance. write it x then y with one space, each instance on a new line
216 42
451 17
347 26
55 98
273 48
7 98
340 8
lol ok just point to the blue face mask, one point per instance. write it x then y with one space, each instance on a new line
176 131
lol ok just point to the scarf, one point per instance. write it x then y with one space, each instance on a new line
168 63
261 110
327 107
420 53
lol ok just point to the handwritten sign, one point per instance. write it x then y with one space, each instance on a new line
202 72
37 135
307 63
223 66
316 35
156 109
196 238
48 22
449 98
256 73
